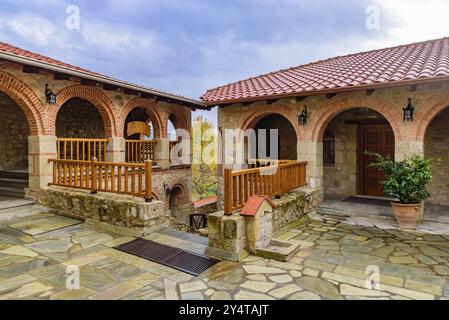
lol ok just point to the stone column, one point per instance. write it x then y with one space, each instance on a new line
313 153
162 153
408 148
41 149
115 150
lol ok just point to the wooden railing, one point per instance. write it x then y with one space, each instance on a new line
139 151
81 149
111 177
239 186
261 163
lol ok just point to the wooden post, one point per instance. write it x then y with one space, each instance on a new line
228 191
148 181
93 185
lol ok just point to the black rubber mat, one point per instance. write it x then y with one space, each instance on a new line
369 201
181 260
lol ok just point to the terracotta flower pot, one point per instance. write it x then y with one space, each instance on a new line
407 215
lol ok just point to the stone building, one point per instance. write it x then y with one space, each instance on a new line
330 112
45 103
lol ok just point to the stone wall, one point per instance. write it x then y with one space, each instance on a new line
79 119
294 205
340 180
437 146
14 131
121 211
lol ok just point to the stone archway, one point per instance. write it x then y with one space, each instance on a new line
314 131
26 99
96 97
176 200
150 109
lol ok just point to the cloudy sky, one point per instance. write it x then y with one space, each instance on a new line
189 46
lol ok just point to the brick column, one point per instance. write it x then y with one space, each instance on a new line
41 149
115 150
162 153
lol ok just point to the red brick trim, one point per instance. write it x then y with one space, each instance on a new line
27 100
425 114
150 107
321 117
94 96
251 117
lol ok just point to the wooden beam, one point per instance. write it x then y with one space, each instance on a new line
369 92
300 99
131 92
31 69
330 96
248 103
271 101
110 87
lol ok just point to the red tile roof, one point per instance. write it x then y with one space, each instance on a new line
204 202
22 53
406 63
253 205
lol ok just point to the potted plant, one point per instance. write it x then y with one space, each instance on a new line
406 181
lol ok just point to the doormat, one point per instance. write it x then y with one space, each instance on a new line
181 260
369 201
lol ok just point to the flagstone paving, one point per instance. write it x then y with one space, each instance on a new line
336 261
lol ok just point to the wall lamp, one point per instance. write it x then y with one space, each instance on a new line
303 117
50 96
409 111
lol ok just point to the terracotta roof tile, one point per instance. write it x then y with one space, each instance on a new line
253 205
22 53
423 60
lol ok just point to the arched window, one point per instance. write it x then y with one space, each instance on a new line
329 148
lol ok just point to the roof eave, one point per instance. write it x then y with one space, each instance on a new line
98 78
328 91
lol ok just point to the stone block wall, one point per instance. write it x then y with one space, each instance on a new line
121 211
437 146
14 131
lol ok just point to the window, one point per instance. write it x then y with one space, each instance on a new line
329 148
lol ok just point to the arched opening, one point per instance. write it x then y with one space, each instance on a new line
275 139
346 165
14 132
78 118
173 135
138 125
175 202
436 145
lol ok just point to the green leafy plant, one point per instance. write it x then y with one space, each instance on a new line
406 180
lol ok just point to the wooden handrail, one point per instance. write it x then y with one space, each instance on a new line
139 151
81 149
111 177
275 180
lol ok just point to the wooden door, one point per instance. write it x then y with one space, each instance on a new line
378 138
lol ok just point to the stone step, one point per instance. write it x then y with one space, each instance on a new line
12 204
13 183
356 211
12 192
14 174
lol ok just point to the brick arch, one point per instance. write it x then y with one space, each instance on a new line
151 110
251 118
324 115
93 95
179 120
428 112
30 104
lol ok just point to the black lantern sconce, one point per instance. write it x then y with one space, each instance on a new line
168 190
409 111
51 97
303 117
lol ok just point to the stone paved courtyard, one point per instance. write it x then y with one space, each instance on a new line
332 264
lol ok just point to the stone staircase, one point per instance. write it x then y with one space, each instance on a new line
13 183
352 210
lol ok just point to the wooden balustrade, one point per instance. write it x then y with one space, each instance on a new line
81 149
111 177
275 180
261 163
139 151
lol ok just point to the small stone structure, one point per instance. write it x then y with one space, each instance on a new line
234 237
121 211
